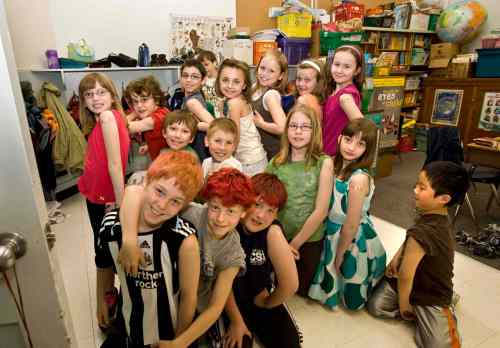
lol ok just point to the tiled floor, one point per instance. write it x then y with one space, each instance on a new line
478 285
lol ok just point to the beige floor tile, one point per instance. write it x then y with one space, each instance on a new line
490 342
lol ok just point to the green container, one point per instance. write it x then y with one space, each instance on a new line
433 19
333 40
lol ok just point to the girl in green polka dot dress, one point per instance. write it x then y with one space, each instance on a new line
353 258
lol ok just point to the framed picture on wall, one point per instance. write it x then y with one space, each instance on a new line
446 108
489 120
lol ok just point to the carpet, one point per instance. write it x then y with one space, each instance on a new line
393 201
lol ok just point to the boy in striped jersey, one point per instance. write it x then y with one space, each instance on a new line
159 300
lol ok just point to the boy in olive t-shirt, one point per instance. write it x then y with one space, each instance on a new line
418 284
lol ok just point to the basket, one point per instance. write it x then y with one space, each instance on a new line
296 25
333 40
66 63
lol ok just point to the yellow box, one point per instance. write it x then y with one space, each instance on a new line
295 24
393 81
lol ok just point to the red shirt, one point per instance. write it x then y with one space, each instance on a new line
154 138
95 183
335 119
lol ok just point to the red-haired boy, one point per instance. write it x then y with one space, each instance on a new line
228 194
151 310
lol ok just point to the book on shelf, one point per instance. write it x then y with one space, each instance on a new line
419 56
387 59
393 41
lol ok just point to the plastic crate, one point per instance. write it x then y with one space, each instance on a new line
295 50
296 25
332 40
487 62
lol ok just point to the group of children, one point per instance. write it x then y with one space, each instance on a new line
282 207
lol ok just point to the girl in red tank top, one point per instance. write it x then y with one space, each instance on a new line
101 116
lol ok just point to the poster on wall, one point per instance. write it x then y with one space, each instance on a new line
189 34
489 119
446 108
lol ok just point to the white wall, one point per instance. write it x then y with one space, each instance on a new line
118 26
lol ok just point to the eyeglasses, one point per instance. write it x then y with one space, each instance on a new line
192 77
100 93
303 127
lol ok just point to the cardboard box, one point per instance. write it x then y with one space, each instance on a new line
441 54
241 49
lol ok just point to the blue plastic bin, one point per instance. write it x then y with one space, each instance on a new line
295 50
487 62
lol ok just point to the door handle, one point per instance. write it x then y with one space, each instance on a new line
12 247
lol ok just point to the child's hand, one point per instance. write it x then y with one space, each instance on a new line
258 120
102 314
235 333
391 270
130 257
295 250
406 311
261 298
143 149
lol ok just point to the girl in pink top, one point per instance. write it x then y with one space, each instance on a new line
103 121
344 76
310 85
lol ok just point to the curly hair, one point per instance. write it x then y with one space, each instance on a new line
231 186
145 87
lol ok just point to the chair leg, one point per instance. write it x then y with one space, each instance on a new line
494 195
457 210
471 209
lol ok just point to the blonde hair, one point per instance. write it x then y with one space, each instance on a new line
280 58
225 125
319 89
315 147
87 117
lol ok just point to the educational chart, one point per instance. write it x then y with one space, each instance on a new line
489 119
189 34
447 105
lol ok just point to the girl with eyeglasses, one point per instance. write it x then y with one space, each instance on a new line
193 74
104 124
307 174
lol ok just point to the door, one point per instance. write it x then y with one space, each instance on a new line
22 210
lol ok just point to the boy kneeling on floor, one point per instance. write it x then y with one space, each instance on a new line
418 284
159 300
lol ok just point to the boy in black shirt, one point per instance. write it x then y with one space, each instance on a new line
418 284
159 300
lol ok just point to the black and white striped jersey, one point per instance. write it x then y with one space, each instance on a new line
150 299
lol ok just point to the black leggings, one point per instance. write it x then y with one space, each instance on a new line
274 327
310 256
96 214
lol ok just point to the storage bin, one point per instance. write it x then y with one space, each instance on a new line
295 50
260 47
373 21
333 40
296 25
66 63
487 62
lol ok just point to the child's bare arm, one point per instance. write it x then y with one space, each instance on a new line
273 102
320 211
413 254
359 187
144 125
202 323
237 327
130 254
235 107
189 276
350 107
199 111
285 269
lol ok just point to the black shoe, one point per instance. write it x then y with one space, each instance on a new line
483 249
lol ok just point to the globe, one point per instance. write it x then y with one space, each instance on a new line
460 21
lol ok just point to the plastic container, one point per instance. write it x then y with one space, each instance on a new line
297 25
373 21
52 60
295 50
260 47
333 40
67 63
487 62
